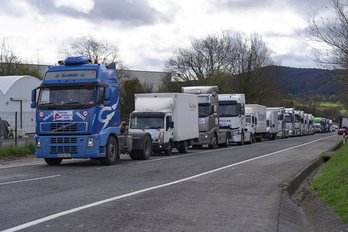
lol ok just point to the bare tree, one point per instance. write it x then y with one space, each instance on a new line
329 39
328 36
10 64
92 48
231 61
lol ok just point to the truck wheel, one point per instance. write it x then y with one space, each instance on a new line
145 153
183 147
111 152
169 149
250 139
214 143
226 143
241 139
53 161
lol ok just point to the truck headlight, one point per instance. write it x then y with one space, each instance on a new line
90 142
38 143
161 137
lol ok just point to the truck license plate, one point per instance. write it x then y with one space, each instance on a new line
64 155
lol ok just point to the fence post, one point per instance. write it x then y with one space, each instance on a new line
16 129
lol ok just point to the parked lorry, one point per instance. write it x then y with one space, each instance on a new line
282 131
319 126
310 124
272 124
306 124
232 118
170 118
256 115
290 121
298 123
208 113
78 115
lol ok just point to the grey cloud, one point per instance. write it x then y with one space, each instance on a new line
130 13
249 4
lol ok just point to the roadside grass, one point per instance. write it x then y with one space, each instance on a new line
29 149
331 183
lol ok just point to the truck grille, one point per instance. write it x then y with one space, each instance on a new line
64 140
63 127
64 149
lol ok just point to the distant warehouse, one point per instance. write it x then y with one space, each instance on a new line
15 96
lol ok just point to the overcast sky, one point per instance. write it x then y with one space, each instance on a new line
147 32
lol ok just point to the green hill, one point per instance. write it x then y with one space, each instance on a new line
307 81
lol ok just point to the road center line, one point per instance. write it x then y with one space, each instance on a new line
70 211
26 180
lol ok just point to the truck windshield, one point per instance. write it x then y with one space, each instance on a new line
205 110
288 118
61 98
145 122
297 118
228 110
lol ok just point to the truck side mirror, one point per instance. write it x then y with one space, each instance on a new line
107 96
33 98
215 108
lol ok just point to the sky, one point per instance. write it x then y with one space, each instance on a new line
147 32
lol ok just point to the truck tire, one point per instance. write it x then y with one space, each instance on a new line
111 152
169 149
214 143
226 143
183 147
53 161
241 139
145 153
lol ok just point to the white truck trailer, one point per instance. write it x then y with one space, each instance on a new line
282 131
170 118
232 118
256 115
290 121
272 124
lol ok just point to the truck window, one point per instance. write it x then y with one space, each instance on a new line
146 122
168 122
288 118
205 110
247 120
228 110
66 98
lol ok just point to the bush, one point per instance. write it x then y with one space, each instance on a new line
18 151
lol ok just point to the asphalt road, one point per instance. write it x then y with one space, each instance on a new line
226 189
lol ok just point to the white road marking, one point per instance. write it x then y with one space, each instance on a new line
70 211
26 180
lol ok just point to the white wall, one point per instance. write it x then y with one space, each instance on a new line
19 89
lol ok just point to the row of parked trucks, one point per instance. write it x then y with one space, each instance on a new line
78 116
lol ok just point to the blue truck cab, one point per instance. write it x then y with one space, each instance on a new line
78 115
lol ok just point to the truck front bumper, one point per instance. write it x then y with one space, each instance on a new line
72 146
156 147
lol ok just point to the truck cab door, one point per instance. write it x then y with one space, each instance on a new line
169 128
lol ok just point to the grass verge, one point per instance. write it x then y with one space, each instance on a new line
17 151
331 183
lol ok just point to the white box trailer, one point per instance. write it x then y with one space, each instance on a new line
258 126
282 130
170 118
272 123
